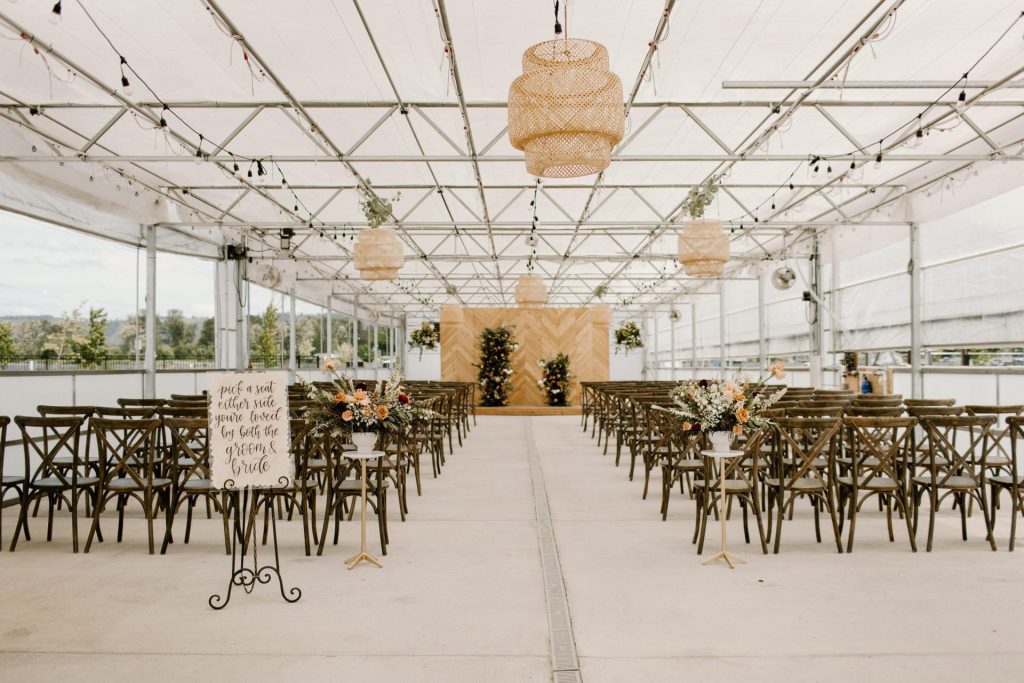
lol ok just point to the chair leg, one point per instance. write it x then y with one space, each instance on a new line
853 520
778 522
831 502
933 499
989 526
96 509
74 519
1015 512
150 504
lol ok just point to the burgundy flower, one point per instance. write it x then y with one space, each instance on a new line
361 385
703 384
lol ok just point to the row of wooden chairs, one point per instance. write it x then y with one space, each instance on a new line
922 431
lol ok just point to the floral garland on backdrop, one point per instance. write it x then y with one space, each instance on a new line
428 336
495 372
555 382
725 405
627 337
352 406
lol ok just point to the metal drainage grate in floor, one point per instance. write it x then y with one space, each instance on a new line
565 663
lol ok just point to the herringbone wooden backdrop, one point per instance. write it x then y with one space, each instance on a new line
540 333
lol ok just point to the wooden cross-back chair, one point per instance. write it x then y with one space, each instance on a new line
128 453
810 443
1013 483
954 469
52 441
880 456
189 467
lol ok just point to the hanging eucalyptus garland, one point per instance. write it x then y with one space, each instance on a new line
497 344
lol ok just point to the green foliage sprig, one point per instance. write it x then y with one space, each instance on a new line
555 382
699 197
497 344
627 337
377 209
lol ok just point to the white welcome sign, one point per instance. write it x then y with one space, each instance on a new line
249 430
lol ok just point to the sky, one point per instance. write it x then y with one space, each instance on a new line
47 270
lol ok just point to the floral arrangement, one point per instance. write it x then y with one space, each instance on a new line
495 372
725 406
555 382
428 336
352 406
377 209
627 337
600 291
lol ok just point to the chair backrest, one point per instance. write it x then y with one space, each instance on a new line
925 402
804 411
65 411
946 458
806 438
127 448
994 410
58 436
879 447
935 411
878 403
4 421
143 402
125 412
190 446
870 398
874 411
177 411
190 397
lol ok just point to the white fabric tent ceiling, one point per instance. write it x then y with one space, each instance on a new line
360 90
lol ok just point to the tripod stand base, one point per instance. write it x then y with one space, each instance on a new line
727 557
363 557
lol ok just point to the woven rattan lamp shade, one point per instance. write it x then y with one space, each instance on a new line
565 112
703 248
377 254
531 292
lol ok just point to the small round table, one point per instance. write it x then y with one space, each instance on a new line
362 457
723 554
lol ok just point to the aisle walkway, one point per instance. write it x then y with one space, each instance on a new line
464 597
645 609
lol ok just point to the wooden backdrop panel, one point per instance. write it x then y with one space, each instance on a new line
540 333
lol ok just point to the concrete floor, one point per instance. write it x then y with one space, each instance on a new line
461 596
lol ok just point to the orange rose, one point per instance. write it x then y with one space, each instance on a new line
738 429
329 366
340 397
687 426
382 412
347 416
367 411
359 395
742 414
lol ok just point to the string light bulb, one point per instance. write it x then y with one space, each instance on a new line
878 160
961 102
55 14
126 86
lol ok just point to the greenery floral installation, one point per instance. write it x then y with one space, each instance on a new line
497 344
699 197
427 336
600 291
627 337
725 405
353 406
377 209
555 382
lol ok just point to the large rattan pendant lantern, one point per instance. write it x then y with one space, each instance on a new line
377 254
565 112
703 248
531 292
703 244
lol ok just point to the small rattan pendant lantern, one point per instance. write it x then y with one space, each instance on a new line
377 254
531 292
703 248
566 112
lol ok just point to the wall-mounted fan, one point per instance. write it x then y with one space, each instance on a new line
783 278
265 275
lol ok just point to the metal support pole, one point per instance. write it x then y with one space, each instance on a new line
355 333
721 329
644 349
293 355
149 381
914 270
817 324
762 325
672 346
655 350
329 319
693 339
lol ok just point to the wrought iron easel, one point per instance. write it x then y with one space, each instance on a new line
247 502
